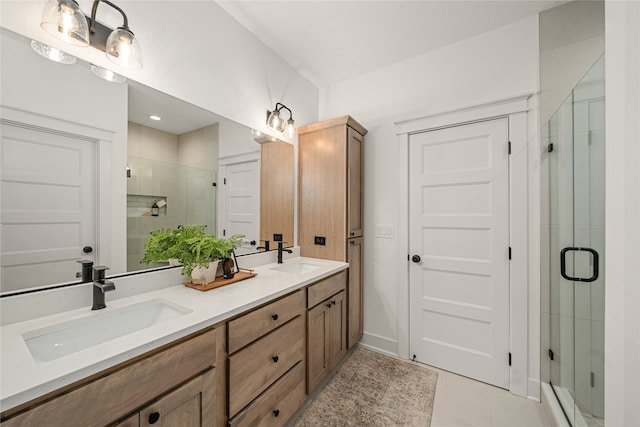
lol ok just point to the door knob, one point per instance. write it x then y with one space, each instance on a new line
87 249
416 258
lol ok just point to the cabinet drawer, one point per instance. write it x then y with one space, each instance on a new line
326 288
251 326
253 369
275 406
124 389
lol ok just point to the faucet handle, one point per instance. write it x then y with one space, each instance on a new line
100 272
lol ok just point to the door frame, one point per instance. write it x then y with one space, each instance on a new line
524 230
109 241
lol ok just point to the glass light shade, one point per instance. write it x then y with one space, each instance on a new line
64 20
108 75
52 53
290 129
275 122
123 49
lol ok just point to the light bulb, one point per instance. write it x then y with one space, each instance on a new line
64 20
275 121
290 129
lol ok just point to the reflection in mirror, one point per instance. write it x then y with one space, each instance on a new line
192 166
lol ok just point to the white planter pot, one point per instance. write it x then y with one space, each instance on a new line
205 275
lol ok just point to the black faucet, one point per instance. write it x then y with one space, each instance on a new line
280 250
100 287
86 275
265 247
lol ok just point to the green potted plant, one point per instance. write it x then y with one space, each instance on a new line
197 251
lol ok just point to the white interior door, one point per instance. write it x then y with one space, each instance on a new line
459 227
241 201
47 206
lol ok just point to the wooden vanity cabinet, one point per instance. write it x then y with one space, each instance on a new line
326 328
178 379
266 363
331 166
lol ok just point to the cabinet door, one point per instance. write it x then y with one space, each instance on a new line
337 337
354 291
317 351
355 145
187 406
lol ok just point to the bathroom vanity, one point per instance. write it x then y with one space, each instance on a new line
244 354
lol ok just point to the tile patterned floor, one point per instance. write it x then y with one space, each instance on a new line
461 401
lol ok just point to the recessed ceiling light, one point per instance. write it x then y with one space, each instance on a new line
155 118
52 53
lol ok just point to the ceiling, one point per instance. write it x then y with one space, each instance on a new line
328 40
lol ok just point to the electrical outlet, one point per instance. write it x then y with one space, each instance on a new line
277 237
320 240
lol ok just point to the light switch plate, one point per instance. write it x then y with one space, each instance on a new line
384 231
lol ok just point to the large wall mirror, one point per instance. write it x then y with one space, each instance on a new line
190 167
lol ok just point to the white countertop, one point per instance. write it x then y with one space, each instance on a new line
22 379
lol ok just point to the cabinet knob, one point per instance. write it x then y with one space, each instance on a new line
329 305
274 317
333 302
276 413
275 359
154 417
352 234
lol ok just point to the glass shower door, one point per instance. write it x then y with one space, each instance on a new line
577 250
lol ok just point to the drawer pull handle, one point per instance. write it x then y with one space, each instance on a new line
274 317
154 417
275 359
276 413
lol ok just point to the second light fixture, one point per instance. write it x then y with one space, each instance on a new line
276 122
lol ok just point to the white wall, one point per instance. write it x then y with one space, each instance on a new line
195 52
496 65
622 297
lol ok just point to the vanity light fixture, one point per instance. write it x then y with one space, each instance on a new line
64 20
277 123
52 53
108 75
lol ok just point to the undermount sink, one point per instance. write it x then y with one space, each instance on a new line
62 339
297 267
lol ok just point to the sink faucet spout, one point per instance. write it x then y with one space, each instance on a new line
281 250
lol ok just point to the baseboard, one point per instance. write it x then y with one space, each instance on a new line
533 389
379 344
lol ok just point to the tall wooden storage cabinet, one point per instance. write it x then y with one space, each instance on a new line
331 202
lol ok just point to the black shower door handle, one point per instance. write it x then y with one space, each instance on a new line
563 264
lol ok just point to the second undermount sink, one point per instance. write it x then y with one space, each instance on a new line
62 339
297 267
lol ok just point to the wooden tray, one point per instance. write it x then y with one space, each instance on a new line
241 275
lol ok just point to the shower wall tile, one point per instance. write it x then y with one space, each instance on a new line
561 173
566 353
597 367
597 178
582 338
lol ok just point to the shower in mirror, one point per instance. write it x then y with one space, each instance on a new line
576 146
